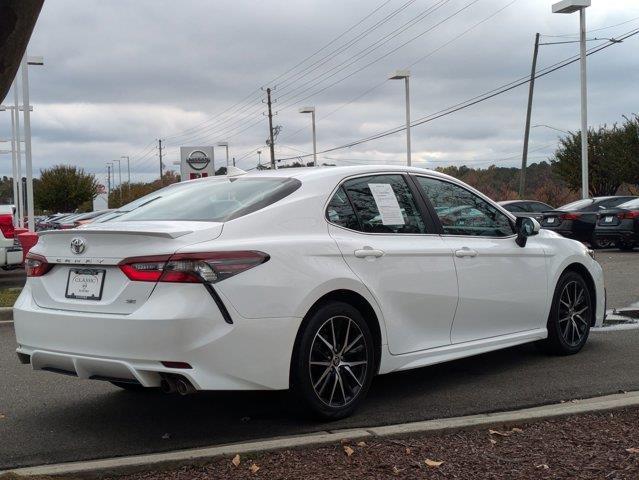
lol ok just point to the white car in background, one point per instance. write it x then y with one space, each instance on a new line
10 249
314 279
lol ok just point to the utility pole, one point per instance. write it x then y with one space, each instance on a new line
108 182
18 152
270 129
531 89
160 149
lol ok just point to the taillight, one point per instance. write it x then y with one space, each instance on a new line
628 215
570 216
6 226
210 267
36 265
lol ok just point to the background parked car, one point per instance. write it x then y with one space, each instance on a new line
526 208
10 250
619 226
577 220
46 222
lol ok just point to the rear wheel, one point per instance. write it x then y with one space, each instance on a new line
570 316
334 361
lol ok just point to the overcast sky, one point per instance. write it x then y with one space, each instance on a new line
118 75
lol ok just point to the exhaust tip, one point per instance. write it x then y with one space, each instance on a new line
167 385
184 387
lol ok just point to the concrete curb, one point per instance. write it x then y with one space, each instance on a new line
122 465
6 313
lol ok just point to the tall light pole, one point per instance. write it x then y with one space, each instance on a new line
404 75
311 110
259 157
128 176
119 177
26 61
14 160
109 165
225 144
571 6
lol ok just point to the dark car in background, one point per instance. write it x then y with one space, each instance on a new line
577 220
526 208
619 226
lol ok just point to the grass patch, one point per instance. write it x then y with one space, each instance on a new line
8 296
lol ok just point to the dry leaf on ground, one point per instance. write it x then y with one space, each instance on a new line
349 451
361 444
236 460
433 463
254 468
497 432
632 450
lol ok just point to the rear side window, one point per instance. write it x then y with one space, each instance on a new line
215 200
514 207
538 207
381 204
340 212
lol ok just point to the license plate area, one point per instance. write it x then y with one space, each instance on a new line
609 219
551 219
85 283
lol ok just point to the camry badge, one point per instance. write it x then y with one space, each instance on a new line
78 245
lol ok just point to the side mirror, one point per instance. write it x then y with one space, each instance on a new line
526 227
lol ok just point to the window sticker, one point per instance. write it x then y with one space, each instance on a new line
387 203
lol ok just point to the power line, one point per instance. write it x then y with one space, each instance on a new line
478 99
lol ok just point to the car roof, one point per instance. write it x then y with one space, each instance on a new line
327 172
512 202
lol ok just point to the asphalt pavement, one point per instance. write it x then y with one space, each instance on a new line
49 418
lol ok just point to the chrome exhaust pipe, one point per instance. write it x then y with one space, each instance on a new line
184 387
168 385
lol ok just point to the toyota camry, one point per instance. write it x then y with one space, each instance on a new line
313 279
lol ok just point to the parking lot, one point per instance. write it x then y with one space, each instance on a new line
50 418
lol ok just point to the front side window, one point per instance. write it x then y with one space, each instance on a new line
461 212
215 200
378 203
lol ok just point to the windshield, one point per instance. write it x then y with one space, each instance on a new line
215 200
631 204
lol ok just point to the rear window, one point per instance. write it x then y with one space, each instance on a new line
215 200
631 204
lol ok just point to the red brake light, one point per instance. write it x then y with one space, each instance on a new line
628 215
570 216
36 265
210 267
6 226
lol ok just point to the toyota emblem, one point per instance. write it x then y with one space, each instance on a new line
78 245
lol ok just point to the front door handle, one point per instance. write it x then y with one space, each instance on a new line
465 252
368 252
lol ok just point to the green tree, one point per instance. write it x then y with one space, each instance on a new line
64 188
613 158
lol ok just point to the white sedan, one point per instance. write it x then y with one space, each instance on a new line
314 279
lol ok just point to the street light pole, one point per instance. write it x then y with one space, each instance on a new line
128 177
225 144
14 161
571 6
119 177
311 110
531 90
405 75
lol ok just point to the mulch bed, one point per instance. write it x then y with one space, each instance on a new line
593 446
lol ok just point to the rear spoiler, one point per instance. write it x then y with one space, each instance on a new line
145 233
17 20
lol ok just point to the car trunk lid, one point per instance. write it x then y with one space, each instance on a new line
86 277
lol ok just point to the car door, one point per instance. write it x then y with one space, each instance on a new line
387 238
502 287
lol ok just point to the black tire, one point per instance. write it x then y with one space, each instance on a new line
596 244
341 374
133 387
569 326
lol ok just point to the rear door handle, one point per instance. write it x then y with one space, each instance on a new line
465 252
368 252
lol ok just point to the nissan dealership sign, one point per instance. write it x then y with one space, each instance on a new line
196 162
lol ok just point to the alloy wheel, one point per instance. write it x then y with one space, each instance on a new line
338 361
574 313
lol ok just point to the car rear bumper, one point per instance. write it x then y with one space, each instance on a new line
623 235
178 323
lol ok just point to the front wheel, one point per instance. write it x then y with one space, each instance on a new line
570 316
334 361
